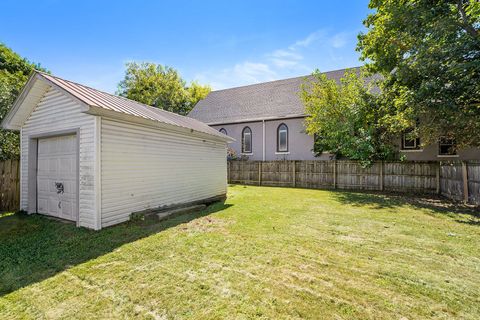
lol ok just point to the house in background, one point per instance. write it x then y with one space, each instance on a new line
267 122
266 119
94 158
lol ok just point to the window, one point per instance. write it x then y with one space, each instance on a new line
246 140
222 130
447 147
409 142
282 138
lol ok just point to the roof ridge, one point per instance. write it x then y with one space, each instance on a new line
278 80
110 94
94 97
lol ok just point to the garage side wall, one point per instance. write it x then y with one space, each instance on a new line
58 112
143 168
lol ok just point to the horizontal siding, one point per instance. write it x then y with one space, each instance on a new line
34 95
143 168
56 111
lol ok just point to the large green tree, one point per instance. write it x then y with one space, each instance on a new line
14 72
429 55
160 86
345 117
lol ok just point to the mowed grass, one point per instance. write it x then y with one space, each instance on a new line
269 253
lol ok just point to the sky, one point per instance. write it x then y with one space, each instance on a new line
221 43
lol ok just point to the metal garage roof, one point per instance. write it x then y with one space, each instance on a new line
100 99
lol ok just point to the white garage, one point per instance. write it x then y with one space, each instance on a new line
95 158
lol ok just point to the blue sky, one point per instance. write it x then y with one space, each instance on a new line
221 43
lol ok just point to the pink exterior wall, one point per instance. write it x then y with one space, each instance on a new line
300 144
430 153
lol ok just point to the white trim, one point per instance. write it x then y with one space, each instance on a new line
411 150
33 163
263 142
98 111
279 132
16 104
21 171
244 136
40 76
283 152
246 154
447 155
97 187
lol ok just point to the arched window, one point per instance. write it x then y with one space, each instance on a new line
282 138
246 140
222 130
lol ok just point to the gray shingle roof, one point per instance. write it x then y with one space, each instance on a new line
275 99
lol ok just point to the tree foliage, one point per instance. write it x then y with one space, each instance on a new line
160 86
429 55
14 72
344 118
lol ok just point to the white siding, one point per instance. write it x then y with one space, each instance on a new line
56 111
143 167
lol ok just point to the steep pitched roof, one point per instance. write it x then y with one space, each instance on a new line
102 100
275 99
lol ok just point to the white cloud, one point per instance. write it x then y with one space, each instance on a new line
240 74
283 63
280 63
307 41
281 53
339 40
255 72
284 58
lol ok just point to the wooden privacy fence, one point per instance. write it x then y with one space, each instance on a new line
455 180
9 185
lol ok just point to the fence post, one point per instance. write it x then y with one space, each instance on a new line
260 173
2 186
228 171
294 174
456 181
244 181
8 183
16 192
465 181
381 175
334 174
437 176
305 175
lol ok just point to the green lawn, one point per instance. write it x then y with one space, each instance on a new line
272 253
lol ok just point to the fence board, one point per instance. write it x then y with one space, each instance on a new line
410 176
401 176
351 175
9 185
314 174
473 172
451 182
407 176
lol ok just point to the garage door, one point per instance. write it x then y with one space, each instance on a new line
57 177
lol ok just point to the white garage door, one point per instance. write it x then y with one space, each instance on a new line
57 177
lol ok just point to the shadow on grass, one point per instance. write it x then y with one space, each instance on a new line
433 203
33 248
471 221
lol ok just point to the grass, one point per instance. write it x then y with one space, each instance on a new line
276 253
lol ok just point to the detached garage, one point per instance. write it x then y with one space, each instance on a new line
95 158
